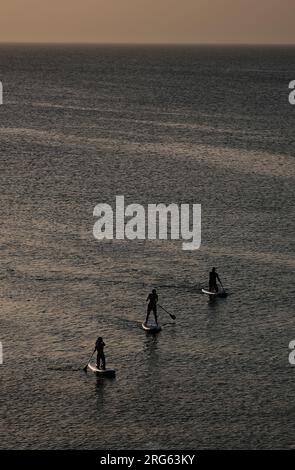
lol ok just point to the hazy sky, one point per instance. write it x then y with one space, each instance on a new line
148 21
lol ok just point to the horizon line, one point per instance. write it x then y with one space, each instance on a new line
90 43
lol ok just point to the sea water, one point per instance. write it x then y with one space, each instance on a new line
206 125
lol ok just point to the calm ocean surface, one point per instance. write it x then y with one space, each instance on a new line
80 125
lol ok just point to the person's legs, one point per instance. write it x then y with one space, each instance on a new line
98 360
103 361
148 314
155 315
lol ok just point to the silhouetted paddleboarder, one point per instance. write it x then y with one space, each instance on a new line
152 306
213 278
100 358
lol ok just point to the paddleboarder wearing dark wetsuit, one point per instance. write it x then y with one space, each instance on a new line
99 346
152 305
213 278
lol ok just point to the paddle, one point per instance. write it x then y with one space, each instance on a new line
223 289
85 368
172 316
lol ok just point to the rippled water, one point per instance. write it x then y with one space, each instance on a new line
197 125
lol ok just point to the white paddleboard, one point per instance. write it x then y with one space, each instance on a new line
220 293
151 327
102 372
208 292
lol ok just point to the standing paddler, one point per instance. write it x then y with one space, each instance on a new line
213 278
100 358
152 298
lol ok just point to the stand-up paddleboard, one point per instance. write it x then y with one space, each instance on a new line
220 293
208 292
102 372
151 327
